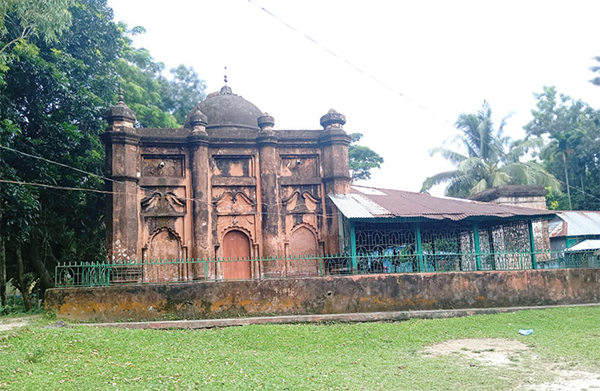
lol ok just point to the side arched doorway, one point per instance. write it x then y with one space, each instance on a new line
236 245
303 243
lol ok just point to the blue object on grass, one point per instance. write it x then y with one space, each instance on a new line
525 332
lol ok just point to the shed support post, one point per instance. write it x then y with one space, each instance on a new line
419 247
353 247
477 245
532 245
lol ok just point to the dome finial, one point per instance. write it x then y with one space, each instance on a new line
225 90
121 100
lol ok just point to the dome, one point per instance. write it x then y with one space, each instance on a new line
224 108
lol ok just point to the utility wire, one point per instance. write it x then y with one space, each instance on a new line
58 187
209 204
37 184
351 64
369 75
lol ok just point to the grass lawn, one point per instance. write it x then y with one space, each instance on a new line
369 356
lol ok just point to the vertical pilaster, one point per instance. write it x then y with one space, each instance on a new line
122 155
201 209
270 209
336 173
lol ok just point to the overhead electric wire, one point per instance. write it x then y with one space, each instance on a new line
351 64
370 76
210 204
37 184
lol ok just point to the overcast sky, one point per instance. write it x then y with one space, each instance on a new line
435 59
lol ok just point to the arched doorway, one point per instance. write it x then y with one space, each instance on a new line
236 245
303 243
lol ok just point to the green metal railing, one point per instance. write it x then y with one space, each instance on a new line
388 261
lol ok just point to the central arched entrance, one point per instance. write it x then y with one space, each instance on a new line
236 245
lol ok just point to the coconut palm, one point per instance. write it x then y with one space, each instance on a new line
491 160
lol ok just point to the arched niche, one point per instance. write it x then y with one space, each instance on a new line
162 257
303 243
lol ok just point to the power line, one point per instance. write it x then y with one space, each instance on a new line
59 187
351 64
209 204
37 184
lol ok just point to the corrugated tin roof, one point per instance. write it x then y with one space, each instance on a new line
356 206
575 223
589 244
369 202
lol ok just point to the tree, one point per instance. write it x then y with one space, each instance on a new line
362 159
491 160
157 101
53 94
596 69
52 97
184 92
22 19
572 129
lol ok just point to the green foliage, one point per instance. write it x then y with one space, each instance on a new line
370 356
491 160
551 199
596 69
22 19
572 152
184 92
157 101
362 159
55 86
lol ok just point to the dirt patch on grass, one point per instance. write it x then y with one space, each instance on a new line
13 323
501 352
570 380
490 351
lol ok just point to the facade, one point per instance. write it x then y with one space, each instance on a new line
225 185
228 186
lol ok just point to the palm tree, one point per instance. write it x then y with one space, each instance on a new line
491 160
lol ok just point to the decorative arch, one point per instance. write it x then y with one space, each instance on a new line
308 226
234 197
172 233
236 228
233 201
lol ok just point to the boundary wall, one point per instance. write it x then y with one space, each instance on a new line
326 295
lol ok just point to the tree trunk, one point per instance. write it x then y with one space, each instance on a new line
23 285
567 179
40 268
3 301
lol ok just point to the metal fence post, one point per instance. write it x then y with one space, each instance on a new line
353 247
532 245
419 247
477 244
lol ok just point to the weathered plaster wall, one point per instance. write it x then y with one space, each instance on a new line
327 295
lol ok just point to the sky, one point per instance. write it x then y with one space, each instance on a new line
420 63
